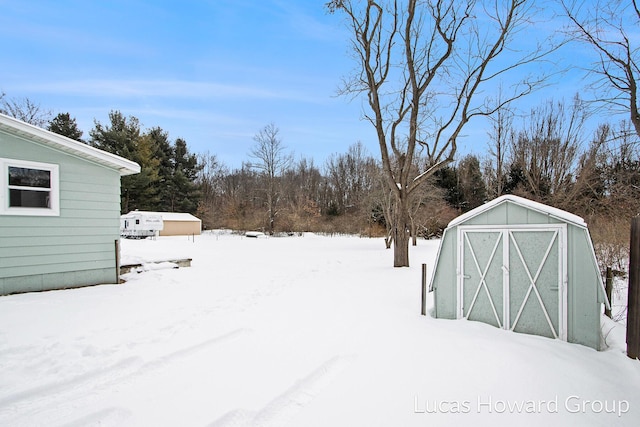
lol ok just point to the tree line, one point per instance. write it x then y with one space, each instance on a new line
548 156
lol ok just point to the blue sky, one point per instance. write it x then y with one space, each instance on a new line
212 72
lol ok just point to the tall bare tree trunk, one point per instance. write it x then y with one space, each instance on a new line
407 54
271 162
401 233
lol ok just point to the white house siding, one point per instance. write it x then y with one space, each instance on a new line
76 248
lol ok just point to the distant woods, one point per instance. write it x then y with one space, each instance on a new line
548 156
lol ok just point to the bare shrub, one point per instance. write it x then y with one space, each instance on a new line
611 242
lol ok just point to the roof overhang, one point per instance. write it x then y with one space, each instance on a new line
67 145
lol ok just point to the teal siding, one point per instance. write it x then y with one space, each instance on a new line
61 224
444 277
76 248
507 213
53 280
584 297
25 255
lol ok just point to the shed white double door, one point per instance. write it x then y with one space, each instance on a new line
514 278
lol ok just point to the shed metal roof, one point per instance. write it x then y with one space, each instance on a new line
529 204
67 145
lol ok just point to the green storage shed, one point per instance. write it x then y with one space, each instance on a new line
522 266
59 210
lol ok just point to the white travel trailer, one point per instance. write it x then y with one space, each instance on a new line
139 225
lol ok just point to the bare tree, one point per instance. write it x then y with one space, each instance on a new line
547 152
271 161
352 177
210 182
502 135
237 198
301 189
619 165
612 168
25 110
610 28
422 66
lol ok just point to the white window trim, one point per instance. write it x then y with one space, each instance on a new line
5 209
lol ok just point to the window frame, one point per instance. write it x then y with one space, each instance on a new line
5 187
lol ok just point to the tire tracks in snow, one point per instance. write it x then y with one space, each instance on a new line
19 407
104 418
285 406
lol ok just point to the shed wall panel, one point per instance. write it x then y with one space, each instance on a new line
540 218
445 277
507 213
583 305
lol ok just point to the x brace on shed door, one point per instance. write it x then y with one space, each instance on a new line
514 277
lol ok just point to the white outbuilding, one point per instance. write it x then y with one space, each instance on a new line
173 223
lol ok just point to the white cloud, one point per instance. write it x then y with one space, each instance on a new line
181 89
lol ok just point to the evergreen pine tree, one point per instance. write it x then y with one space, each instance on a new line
163 152
144 187
64 124
122 137
185 193
118 137
447 179
472 188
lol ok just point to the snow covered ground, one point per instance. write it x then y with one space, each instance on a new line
295 331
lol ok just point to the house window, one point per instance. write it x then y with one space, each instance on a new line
29 188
